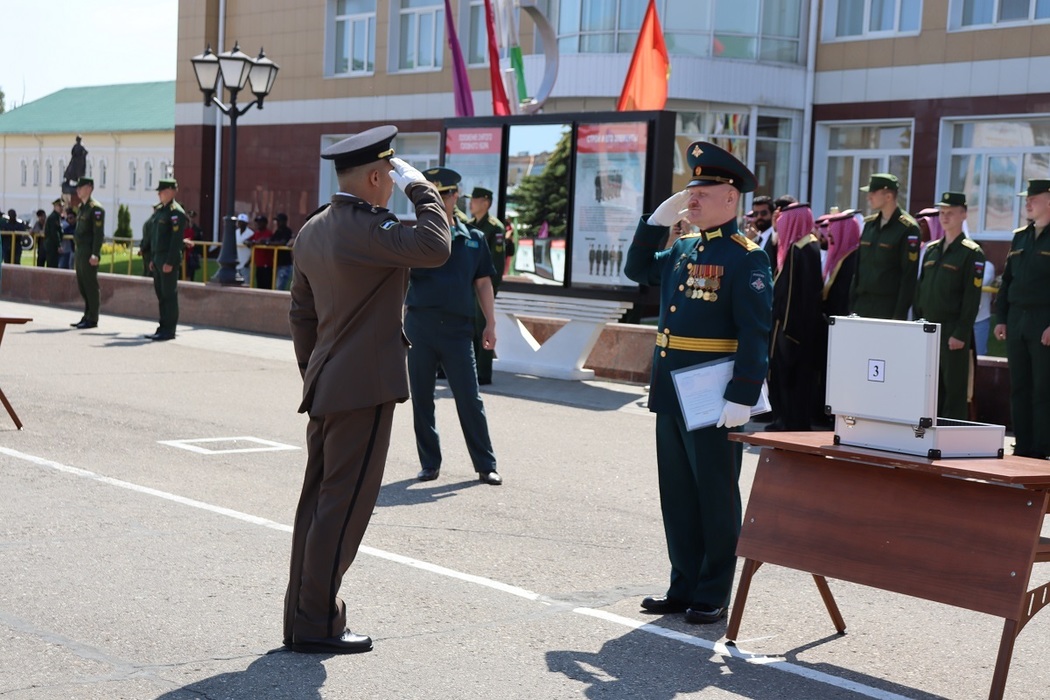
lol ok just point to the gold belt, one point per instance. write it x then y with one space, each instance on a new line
678 342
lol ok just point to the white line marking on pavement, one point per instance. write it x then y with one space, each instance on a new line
191 445
719 647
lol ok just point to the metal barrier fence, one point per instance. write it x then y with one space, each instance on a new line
119 255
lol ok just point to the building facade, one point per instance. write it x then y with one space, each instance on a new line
128 131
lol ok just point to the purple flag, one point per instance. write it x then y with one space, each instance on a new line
460 81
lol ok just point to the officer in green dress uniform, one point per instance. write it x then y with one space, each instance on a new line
53 233
949 293
88 235
495 231
888 257
165 250
715 303
1022 318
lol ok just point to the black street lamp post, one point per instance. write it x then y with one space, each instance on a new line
237 69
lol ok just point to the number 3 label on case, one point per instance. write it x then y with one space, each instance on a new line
876 370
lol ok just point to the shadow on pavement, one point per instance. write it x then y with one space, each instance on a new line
279 675
398 493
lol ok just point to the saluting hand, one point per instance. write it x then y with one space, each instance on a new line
670 211
404 175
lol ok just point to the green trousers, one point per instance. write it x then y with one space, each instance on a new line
166 286
699 473
87 281
952 394
1029 362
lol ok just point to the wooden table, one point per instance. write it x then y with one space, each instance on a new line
964 532
4 322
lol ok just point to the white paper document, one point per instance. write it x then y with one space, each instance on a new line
700 389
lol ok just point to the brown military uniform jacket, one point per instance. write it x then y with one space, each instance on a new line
351 264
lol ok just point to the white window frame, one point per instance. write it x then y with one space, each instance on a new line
133 174
439 39
23 167
350 20
831 15
49 172
36 173
955 13
147 175
89 168
822 155
465 21
944 168
102 173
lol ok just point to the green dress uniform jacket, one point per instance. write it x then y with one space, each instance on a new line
88 236
1023 304
949 293
715 302
495 234
165 247
887 265
52 238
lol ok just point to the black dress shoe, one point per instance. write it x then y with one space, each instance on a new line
662 605
704 615
151 336
484 382
348 643
163 336
77 324
428 474
491 478
84 324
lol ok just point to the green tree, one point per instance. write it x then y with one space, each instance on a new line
545 197
123 225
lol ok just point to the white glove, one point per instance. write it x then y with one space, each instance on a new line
404 175
670 211
734 415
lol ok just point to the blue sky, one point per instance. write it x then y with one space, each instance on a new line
48 45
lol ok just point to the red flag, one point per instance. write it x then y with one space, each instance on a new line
646 83
500 104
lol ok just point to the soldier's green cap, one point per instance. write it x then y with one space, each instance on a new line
85 181
952 199
711 165
882 181
482 193
444 178
58 201
1035 187
167 183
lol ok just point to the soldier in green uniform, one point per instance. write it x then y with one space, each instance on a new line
714 283
495 231
1022 318
888 257
949 293
163 248
88 235
53 233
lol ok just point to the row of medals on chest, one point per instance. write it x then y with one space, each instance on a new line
702 281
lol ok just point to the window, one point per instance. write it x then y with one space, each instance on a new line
354 40
48 170
62 166
847 155
89 169
148 175
769 138
421 35
36 173
977 13
758 30
102 174
477 42
25 173
422 151
133 175
846 19
991 161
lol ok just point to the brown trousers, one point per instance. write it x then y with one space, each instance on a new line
346 454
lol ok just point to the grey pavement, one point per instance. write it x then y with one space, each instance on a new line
145 517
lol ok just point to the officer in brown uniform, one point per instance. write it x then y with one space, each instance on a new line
888 257
495 232
1022 318
351 268
948 293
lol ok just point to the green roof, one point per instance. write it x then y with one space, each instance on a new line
103 108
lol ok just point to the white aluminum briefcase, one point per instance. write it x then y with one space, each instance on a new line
882 386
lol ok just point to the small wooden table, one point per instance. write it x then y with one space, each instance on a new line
4 322
964 532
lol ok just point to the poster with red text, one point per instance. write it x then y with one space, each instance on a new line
474 153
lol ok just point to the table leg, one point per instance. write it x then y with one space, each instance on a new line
1002 662
748 572
10 411
830 604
